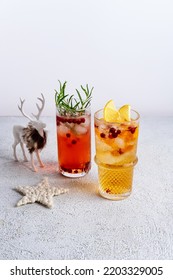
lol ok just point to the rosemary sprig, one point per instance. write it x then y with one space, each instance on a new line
68 104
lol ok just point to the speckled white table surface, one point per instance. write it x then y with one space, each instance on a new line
82 225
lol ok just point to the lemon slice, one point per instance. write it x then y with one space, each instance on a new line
110 113
124 112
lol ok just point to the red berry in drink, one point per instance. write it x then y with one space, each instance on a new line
73 141
102 135
108 191
82 120
115 135
69 120
132 129
69 170
63 120
87 166
68 135
64 169
120 151
78 121
57 121
110 136
112 130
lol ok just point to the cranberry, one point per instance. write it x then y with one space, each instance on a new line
64 169
69 170
120 151
82 120
73 141
113 135
132 129
112 130
58 120
68 135
110 135
69 120
108 191
87 166
102 135
78 121
76 171
63 120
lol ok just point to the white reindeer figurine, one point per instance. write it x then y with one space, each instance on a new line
33 136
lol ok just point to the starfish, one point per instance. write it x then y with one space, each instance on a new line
42 193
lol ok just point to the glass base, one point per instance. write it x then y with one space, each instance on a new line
114 196
74 173
115 182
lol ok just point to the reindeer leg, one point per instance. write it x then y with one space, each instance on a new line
23 150
32 163
14 150
39 159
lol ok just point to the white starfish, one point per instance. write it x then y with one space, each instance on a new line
42 193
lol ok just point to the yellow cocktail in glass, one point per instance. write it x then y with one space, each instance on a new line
116 146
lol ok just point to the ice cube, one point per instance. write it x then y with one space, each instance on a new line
119 142
102 127
102 146
62 129
79 129
70 125
106 157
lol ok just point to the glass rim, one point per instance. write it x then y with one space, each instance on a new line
103 121
71 113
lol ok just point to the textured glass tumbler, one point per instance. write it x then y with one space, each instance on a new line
116 146
115 182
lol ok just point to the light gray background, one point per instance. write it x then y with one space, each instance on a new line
122 48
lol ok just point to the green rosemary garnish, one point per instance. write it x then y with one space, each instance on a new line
68 104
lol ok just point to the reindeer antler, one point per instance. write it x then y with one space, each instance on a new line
40 109
21 109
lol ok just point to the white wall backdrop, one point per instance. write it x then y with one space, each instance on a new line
124 48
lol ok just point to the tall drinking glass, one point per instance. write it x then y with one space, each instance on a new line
116 147
74 142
